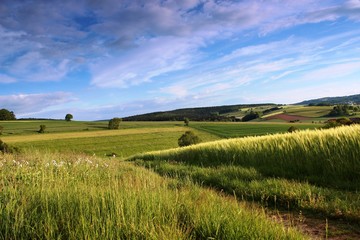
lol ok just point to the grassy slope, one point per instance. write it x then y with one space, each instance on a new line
311 170
57 196
309 111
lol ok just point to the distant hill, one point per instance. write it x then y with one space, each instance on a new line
352 99
195 114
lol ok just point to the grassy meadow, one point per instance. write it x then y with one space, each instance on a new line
315 171
65 184
58 196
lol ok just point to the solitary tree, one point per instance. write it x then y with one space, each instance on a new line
188 138
186 121
68 117
114 123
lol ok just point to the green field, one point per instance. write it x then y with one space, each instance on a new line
309 111
65 184
240 129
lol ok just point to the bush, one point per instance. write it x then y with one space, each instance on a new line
292 129
186 121
188 138
338 122
4 148
114 123
42 129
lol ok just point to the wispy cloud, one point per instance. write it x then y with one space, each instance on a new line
30 103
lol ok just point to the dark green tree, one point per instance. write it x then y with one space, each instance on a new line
339 110
68 117
7 115
250 116
188 138
114 123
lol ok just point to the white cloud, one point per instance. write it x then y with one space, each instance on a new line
158 56
28 103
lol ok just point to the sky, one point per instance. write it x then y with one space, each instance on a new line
117 58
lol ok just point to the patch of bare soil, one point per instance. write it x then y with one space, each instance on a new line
318 227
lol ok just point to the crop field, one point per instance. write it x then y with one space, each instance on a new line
66 184
122 142
309 111
231 130
59 126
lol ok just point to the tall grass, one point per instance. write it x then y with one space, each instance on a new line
248 184
57 196
324 157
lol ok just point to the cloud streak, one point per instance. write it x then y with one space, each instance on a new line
32 103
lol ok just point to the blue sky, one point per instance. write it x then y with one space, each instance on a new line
113 58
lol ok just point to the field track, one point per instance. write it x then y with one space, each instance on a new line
86 134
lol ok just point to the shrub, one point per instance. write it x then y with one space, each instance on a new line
338 122
186 121
42 129
292 129
188 138
114 123
4 148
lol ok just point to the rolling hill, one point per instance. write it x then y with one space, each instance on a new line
310 109
352 99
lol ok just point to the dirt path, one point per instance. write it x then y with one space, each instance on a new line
317 227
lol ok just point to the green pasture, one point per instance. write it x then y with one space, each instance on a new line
240 129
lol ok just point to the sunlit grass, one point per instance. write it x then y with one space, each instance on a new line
325 157
316 170
57 196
